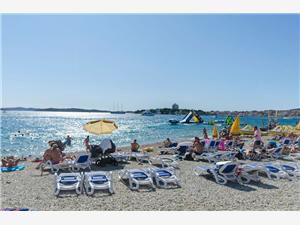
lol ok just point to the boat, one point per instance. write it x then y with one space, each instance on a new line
117 112
147 113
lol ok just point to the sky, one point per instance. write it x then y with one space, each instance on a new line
136 61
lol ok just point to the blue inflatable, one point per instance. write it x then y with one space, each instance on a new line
11 169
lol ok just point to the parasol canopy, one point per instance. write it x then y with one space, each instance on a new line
99 127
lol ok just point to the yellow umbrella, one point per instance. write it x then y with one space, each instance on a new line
215 133
100 127
235 128
298 126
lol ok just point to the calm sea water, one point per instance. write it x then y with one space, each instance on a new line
40 127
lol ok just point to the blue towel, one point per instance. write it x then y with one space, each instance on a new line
11 169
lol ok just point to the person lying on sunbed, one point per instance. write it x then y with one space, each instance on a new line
9 161
168 143
135 146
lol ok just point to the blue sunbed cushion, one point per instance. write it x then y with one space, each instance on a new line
164 173
68 180
83 159
229 169
11 169
272 169
99 179
212 144
286 167
139 175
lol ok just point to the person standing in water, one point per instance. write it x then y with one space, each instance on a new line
68 141
86 142
205 135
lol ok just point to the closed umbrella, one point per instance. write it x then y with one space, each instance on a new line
235 128
215 133
99 127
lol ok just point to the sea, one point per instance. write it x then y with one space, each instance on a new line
26 133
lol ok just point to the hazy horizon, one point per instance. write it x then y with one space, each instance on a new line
206 62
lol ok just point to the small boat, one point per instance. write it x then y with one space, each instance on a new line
117 112
173 121
147 113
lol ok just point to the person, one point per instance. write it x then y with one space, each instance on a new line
9 161
205 135
53 154
86 142
257 138
135 146
167 143
68 141
197 146
221 145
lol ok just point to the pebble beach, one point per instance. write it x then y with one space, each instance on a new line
29 189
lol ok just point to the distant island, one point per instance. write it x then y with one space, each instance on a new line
170 111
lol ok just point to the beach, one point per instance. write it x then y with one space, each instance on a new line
29 189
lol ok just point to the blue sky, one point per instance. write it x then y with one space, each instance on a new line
209 62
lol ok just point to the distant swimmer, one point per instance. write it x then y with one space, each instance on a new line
68 141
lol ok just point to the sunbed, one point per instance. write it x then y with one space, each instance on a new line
83 161
136 178
224 172
68 182
163 177
98 181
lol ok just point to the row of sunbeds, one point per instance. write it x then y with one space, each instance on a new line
89 182
244 173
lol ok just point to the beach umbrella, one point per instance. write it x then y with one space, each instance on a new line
99 127
215 133
235 128
298 126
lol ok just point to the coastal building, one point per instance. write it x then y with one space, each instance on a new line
175 106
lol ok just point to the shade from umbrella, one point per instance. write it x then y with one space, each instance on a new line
235 128
99 127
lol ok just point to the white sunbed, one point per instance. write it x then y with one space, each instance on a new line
140 157
82 161
292 169
136 178
68 182
223 172
165 161
121 156
163 177
98 181
274 171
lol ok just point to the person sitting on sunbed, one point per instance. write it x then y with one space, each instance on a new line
167 143
135 146
197 147
257 138
9 161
